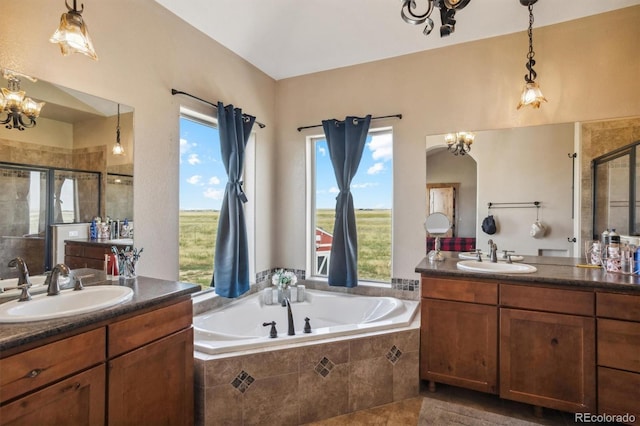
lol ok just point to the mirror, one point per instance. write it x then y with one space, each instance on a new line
508 167
437 224
56 176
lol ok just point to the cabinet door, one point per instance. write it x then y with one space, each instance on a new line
78 400
459 344
548 359
153 384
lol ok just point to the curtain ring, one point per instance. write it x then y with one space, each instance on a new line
355 121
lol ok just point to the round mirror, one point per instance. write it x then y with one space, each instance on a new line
437 224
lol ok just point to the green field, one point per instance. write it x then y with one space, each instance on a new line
198 235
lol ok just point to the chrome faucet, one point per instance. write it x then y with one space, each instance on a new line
53 279
23 271
291 330
493 252
24 282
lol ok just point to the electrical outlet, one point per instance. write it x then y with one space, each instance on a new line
74 233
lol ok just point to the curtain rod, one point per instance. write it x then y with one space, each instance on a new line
399 116
178 92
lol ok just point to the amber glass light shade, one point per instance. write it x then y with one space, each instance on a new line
31 108
117 149
531 95
72 36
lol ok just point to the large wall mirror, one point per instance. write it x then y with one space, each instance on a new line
57 176
509 170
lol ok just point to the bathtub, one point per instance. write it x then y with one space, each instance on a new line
238 326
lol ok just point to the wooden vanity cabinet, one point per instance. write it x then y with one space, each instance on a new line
151 372
58 383
459 342
618 325
83 254
133 371
547 347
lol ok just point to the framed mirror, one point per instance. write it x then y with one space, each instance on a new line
55 176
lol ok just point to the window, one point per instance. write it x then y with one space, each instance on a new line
371 188
202 183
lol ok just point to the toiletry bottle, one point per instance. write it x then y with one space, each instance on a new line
614 243
93 230
605 243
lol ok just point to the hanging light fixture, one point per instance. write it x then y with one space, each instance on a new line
21 112
72 34
448 8
459 143
117 147
531 94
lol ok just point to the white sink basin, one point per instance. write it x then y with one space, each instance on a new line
473 256
67 303
495 268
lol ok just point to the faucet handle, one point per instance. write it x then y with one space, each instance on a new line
24 295
505 253
273 333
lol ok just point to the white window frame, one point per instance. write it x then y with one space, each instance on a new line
310 206
248 179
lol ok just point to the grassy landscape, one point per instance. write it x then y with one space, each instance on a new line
198 234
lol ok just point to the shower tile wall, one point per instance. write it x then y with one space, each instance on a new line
309 383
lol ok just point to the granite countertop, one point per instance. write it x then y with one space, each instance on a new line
147 292
551 270
102 242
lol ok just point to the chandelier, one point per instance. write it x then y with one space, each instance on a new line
531 94
72 34
21 112
448 8
459 143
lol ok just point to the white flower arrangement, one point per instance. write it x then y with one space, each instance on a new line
283 279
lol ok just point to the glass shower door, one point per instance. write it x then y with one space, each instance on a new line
23 218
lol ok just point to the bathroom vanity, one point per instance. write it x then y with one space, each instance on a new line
90 253
563 337
129 364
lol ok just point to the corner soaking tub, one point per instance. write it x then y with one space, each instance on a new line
239 325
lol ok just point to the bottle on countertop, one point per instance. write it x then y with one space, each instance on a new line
604 243
614 243
93 230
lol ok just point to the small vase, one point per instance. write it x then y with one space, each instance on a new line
284 294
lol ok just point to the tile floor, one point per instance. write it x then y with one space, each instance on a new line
407 412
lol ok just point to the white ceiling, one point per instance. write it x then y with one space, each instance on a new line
287 38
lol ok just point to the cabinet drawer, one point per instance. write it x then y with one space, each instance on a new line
619 344
460 290
40 366
547 299
134 332
618 306
78 400
618 392
73 250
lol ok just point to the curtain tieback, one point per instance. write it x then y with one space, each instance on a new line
241 195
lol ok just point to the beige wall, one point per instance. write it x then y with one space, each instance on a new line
585 71
144 51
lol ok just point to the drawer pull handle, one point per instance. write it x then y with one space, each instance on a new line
34 373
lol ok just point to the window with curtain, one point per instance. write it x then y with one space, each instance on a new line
372 196
202 183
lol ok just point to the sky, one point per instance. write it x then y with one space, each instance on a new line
203 177
370 187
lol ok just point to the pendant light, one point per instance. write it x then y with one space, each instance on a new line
531 94
117 147
72 34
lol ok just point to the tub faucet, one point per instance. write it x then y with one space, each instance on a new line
286 302
23 271
53 279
